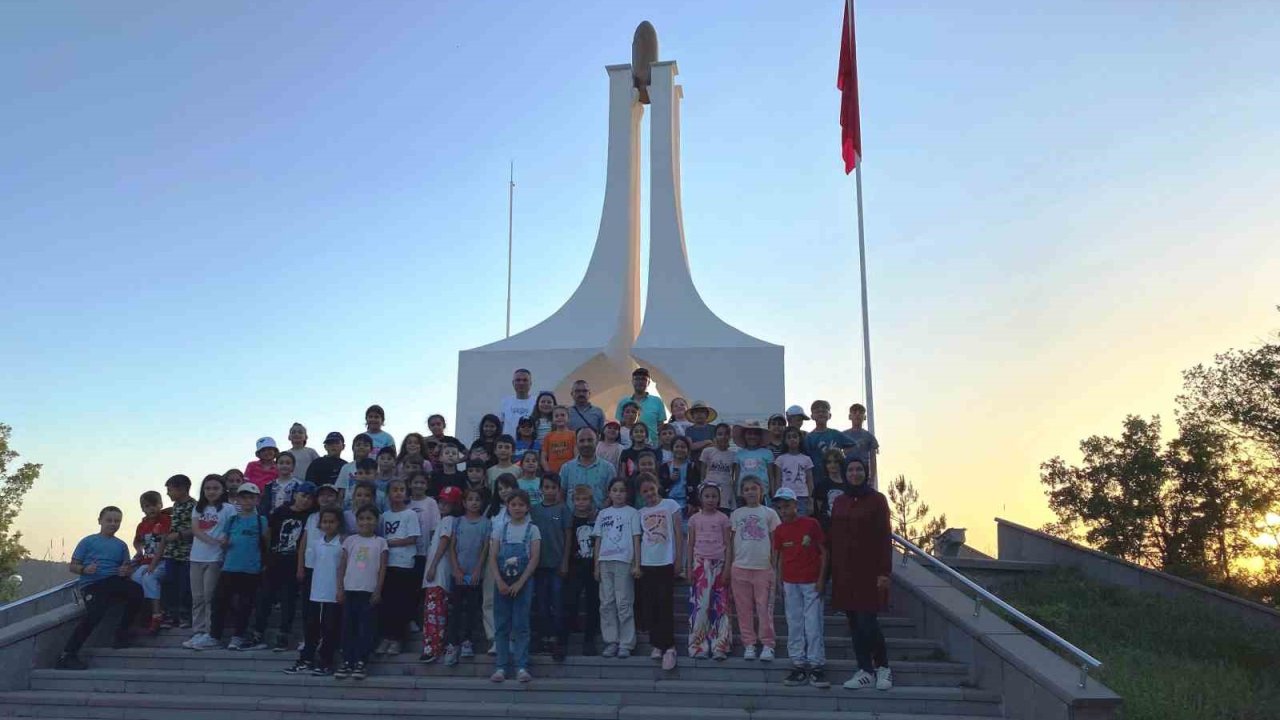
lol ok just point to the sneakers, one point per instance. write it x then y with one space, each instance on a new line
669 659
205 642
610 650
451 656
656 654
69 661
427 657
493 649
818 677
357 672
698 654
468 650
498 676
719 656
624 653
301 667
190 642
749 653
797 676
257 643
381 648
393 648
766 654
861 680
523 675
343 672
282 642
237 643
185 624
318 671
884 678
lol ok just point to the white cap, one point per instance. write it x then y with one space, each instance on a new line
796 410
248 488
266 442
785 493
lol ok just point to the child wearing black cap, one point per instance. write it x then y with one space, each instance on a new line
280 582
325 470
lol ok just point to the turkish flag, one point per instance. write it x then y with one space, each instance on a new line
847 83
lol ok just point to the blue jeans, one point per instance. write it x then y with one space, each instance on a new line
175 589
511 631
547 619
357 627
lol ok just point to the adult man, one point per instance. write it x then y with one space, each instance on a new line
519 405
652 412
587 469
582 413
865 445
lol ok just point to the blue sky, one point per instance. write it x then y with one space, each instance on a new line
219 219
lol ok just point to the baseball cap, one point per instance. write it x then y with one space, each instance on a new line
248 489
307 487
796 410
785 493
327 486
265 442
777 416
451 494
334 437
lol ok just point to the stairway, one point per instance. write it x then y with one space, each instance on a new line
157 679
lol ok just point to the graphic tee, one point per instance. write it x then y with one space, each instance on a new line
444 571
797 543
657 533
211 522
364 557
397 525
791 472
149 534
717 469
616 526
751 536
708 535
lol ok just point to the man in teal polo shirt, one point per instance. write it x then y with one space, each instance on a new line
652 412
588 469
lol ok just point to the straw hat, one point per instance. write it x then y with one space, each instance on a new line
700 405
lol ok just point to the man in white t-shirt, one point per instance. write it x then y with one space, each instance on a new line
519 405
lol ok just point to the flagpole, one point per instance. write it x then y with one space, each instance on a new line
866 323
511 199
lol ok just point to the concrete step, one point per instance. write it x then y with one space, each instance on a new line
669 699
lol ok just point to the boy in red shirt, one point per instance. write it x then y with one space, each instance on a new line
802 553
148 544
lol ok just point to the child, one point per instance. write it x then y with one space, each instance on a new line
361 449
865 445
438 576
709 630
554 522
326 470
436 425
323 615
175 590
559 446
639 441
490 429
666 435
830 487
776 426
527 437
326 498
679 476
617 565
263 470
280 578
513 557
361 574
801 550
630 415
701 433
581 588
503 450
278 493
679 416
477 478
412 457
428 511
794 470
303 456
822 438
208 525
102 562
751 572
244 537
528 480
386 473
498 515
401 530
660 555
364 493
542 415
610 448
148 545
717 466
374 417
753 458
446 474
232 479
467 562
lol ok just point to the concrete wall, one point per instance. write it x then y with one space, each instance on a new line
1017 542
33 631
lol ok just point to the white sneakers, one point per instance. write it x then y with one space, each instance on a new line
749 653
863 680
884 678
766 654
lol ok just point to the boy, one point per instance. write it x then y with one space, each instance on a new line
279 492
447 475
559 445
175 590
263 470
366 471
148 544
582 590
386 473
102 562
361 449
303 456
822 438
701 433
555 524
374 417
865 446
477 478
244 536
503 449
802 555
280 579
326 470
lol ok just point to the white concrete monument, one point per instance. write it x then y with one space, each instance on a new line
597 335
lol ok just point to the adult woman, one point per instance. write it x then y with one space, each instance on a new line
861 562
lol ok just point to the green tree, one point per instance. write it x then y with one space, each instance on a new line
13 488
910 516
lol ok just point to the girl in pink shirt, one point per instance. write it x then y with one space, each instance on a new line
709 630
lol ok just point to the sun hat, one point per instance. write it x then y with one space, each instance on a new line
700 405
265 442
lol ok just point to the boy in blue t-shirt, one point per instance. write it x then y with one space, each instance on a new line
822 438
244 535
102 562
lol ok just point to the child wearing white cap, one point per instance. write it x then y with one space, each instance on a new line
263 470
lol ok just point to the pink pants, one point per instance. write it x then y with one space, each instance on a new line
752 598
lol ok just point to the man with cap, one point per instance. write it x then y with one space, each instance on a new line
582 413
324 470
653 412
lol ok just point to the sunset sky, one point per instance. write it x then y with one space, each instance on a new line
218 219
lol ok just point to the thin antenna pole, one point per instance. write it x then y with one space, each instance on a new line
511 199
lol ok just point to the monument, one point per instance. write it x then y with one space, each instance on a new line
598 334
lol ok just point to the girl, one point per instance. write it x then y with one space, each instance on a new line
679 415
752 458
794 470
437 577
428 521
777 425
490 429
364 493
513 555
617 565
610 448
679 475
660 556
717 465
542 409
401 530
233 479
323 614
861 564
751 572
530 480
412 457
207 530
831 487
639 441
244 538
361 575
506 487
709 630
666 435
527 436
467 552
560 445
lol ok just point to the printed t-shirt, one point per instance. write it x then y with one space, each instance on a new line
514 408
657 533
616 526
798 543
533 486
149 534
397 525
469 538
364 557
180 522
708 543
324 471
245 533
287 525
817 442
380 439
583 545
751 543
324 555
108 553
864 444
211 522
561 447
791 472
552 521
444 571
755 462
717 469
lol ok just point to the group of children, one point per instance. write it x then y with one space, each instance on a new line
463 544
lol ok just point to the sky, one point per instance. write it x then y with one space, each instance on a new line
219 219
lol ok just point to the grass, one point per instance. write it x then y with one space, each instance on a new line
1170 659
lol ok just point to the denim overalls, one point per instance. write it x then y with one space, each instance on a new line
511 614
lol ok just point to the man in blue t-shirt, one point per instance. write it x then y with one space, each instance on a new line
652 412
822 438
102 562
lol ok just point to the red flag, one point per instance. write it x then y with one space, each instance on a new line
847 83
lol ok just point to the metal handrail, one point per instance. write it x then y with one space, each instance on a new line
1087 661
37 596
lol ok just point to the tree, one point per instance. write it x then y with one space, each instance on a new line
13 487
908 514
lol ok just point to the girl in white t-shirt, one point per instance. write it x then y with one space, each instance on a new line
323 613
751 568
661 540
207 529
400 528
795 469
617 557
